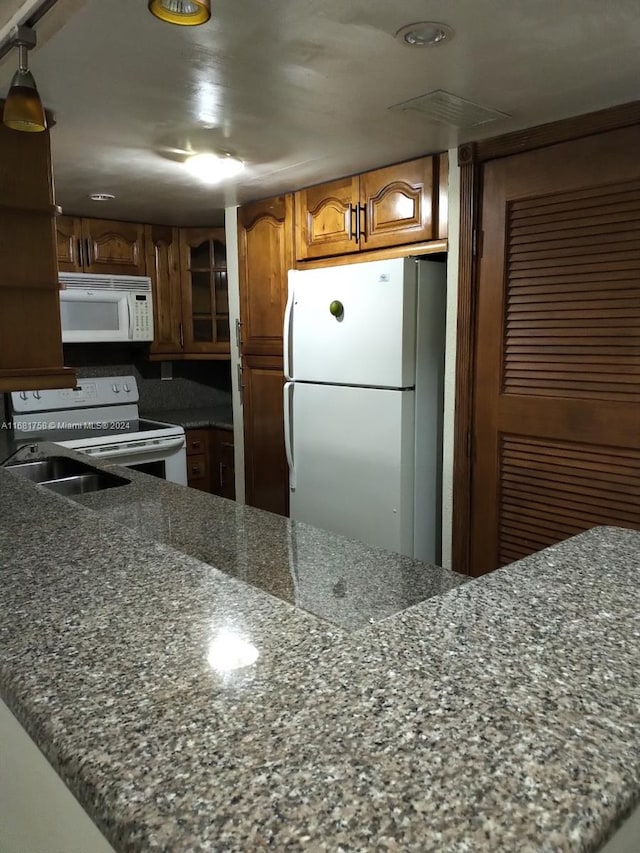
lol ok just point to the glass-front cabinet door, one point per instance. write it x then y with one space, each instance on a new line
205 306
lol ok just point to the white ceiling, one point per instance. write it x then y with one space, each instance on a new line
301 89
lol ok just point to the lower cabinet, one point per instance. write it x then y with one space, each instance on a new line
223 472
266 472
210 461
198 459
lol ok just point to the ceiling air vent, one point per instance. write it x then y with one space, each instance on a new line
444 108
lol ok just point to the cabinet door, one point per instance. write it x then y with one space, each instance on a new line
68 245
265 238
397 204
205 296
163 265
223 464
266 472
30 340
113 247
326 219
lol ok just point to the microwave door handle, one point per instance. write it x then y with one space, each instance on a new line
130 317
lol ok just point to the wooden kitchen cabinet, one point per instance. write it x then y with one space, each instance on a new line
265 238
100 246
266 471
265 235
198 459
223 474
383 208
327 219
210 461
163 266
188 270
205 295
30 336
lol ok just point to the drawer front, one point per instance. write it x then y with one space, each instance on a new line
197 441
197 467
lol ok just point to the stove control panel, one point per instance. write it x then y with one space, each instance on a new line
88 393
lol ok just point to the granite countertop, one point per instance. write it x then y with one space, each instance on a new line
220 416
497 715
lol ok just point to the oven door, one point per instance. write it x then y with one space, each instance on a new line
165 458
95 316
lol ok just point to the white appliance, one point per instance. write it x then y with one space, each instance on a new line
364 356
100 417
105 308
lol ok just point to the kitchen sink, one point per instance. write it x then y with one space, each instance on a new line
67 476
51 469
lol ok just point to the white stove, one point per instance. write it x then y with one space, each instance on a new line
100 417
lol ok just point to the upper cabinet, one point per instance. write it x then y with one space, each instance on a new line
30 338
327 219
205 295
265 246
188 269
100 246
384 208
163 266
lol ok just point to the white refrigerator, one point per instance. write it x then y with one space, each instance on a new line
363 401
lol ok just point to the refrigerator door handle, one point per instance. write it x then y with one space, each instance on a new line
286 337
288 429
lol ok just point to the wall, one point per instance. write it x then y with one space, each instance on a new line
450 360
197 383
233 284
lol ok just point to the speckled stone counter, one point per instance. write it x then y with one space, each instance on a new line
337 579
193 418
500 715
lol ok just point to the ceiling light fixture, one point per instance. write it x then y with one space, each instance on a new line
184 13
101 196
23 108
213 168
424 34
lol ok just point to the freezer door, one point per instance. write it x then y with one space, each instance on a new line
353 324
351 462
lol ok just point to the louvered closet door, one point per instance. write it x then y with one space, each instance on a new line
556 444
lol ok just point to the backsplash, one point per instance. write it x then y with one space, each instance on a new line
194 384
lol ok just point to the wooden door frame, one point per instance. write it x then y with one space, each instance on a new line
471 158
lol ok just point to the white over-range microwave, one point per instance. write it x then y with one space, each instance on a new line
105 308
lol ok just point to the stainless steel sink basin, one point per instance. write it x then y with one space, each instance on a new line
68 476
51 469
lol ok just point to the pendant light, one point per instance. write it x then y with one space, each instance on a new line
185 13
23 108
